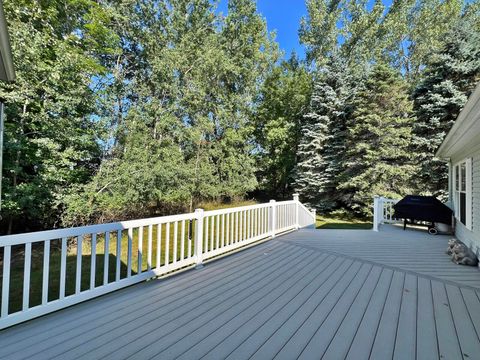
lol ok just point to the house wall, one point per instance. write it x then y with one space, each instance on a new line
470 238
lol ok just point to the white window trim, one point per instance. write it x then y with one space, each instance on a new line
468 191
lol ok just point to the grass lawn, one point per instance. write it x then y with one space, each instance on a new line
341 222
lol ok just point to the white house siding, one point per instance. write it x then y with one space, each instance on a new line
470 238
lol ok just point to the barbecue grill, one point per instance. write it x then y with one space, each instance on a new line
428 209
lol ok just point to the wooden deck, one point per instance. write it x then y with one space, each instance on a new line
311 294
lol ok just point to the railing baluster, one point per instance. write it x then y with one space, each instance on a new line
149 250
232 230
229 230
236 227
205 236
63 268
140 250
190 236
243 222
240 226
223 231
217 242
167 244
26 276
106 257
129 251
118 255
93 262
248 215
78 272
7 252
262 221
46 271
182 244
175 241
212 232
159 245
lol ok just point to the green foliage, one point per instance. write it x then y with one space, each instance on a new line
50 135
284 99
378 156
357 146
132 108
188 79
321 149
404 34
149 174
451 76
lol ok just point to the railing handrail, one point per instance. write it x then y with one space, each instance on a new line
181 241
22 238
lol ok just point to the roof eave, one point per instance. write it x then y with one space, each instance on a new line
461 126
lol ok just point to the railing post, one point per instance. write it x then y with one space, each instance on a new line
273 217
376 212
314 211
198 240
297 209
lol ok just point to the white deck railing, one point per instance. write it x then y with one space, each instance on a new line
383 212
129 252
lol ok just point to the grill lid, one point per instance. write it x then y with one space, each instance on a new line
423 208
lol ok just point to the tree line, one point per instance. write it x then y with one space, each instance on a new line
137 108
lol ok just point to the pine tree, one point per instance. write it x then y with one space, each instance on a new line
378 157
438 99
323 134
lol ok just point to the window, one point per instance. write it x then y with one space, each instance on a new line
462 196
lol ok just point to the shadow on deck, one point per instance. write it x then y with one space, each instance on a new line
332 294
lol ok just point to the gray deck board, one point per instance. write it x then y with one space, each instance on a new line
427 347
384 343
306 295
410 250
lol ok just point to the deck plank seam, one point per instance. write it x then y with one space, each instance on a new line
268 274
381 315
260 325
469 314
347 310
398 317
454 322
283 323
313 265
316 307
361 318
395 268
294 274
364 313
127 294
240 344
159 291
434 318
173 300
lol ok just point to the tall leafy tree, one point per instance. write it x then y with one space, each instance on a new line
285 97
451 76
403 34
189 78
378 156
51 135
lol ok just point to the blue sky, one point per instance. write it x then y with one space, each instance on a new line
283 16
